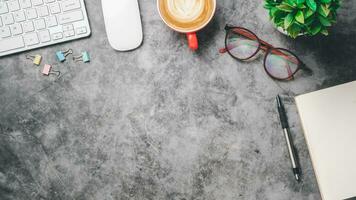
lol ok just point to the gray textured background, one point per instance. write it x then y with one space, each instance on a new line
162 122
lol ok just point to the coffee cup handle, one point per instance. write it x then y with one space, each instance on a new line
192 41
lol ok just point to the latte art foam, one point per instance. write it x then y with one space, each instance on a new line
186 15
185 10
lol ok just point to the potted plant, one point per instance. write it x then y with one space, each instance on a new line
303 17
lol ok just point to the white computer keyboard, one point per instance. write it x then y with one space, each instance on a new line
30 24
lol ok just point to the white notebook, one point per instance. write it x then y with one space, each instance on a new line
329 121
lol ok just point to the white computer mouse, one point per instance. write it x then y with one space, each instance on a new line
123 24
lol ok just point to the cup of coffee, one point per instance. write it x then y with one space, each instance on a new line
187 16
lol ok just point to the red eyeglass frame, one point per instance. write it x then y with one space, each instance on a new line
268 48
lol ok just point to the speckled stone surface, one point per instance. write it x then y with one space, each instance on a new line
162 122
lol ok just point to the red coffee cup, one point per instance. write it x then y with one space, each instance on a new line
190 32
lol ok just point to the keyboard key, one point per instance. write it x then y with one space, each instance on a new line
50 1
42 11
19 16
54 8
69 33
57 36
5 32
44 36
14 5
25 3
67 27
16 29
11 43
0 22
3 7
31 13
81 30
28 26
8 19
31 39
51 21
68 5
37 2
70 17
40 24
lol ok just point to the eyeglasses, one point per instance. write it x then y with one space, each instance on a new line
279 63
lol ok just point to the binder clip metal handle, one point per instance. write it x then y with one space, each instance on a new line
84 57
61 55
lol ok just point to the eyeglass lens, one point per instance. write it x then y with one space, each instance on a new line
241 46
281 64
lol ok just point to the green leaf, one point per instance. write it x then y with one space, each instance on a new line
290 3
272 12
294 30
308 13
309 21
288 20
285 8
324 21
315 29
323 10
300 1
324 32
279 14
268 6
325 1
312 5
299 17
301 6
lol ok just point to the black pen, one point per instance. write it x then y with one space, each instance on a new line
285 126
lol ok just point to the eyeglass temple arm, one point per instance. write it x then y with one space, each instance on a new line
304 67
246 34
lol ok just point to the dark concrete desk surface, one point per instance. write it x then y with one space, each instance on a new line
162 122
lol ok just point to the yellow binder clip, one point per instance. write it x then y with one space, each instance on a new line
36 59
